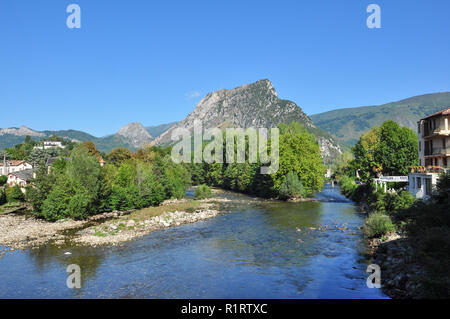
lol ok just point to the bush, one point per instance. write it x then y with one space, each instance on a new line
2 196
394 203
378 224
3 180
347 185
292 187
14 194
203 191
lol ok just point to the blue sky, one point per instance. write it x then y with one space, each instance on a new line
152 61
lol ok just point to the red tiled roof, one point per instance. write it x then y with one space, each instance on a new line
443 112
14 162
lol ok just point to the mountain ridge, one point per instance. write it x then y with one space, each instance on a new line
348 124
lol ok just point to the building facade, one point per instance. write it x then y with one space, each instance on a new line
50 144
434 139
13 166
434 153
20 178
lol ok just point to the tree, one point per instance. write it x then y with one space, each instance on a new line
118 155
364 154
39 188
292 187
397 149
299 153
3 180
91 148
14 194
388 150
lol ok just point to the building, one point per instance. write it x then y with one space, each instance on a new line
20 178
7 167
434 139
50 144
434 153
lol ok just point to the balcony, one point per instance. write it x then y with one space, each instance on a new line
437 132
428 169
438 151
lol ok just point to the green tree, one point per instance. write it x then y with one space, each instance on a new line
292 187
397 149
300 153
119 155
3 180
14 194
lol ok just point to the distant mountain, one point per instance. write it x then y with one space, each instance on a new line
251 105
159 129
135 133
348 124
131 136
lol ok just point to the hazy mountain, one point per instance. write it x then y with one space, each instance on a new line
251 105
348 124
131 136
159 129
135 133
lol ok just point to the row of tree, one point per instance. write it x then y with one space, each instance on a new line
300 172
78 186
385 150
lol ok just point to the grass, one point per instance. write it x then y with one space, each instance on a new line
100 234
149 212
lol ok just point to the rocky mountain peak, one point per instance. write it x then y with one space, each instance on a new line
22 131
250 105
135 133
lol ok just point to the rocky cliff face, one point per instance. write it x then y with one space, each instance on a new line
22 131
251 105
136 134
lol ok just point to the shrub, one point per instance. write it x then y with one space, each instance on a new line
202 191
292 187
378 224
3 180
2 196
14 194
347 185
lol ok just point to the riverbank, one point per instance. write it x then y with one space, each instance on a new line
400 270
22 231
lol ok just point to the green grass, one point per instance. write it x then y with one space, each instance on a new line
100 234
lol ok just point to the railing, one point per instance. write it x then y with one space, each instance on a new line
428 169
436 131
439 151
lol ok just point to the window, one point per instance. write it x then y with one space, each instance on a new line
418 127
419 182
444 161
420 146
428 186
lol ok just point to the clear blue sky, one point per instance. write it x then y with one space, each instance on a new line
152 61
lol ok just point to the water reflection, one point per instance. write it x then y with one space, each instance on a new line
256 250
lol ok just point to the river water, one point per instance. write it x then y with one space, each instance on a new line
254 250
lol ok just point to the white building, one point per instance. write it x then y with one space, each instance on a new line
50 144
13 166
20 178
434 153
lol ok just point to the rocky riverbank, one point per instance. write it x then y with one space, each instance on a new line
399 268
124 229
26 231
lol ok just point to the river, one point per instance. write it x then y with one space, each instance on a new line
257 250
